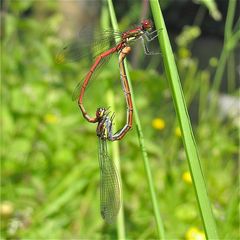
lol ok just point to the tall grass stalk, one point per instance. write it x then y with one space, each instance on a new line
185 125
231 73
159 223
115 145
203 92
116 159
230 41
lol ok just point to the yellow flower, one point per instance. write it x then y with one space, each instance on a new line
158 123
50 118
6 209
194 233
178 132
187 177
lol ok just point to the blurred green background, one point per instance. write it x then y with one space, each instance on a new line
49 164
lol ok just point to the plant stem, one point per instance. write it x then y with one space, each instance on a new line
231 73
115 144
159 223
228 35
116 160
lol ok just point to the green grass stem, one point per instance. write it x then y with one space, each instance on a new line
116 159
159 223
231 74
203 91
115 144
230 41
185 125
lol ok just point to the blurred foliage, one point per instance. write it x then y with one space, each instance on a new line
49 167
212 8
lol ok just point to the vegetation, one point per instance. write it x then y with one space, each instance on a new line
49 170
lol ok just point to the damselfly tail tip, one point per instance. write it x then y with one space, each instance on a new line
109 219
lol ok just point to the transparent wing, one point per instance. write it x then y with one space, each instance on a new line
98 69
87 44
110 195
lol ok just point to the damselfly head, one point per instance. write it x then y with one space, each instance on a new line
146 25
100 112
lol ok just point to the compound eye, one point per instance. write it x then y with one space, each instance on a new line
100 112
147 24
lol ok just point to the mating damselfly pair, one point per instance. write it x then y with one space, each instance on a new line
110 191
